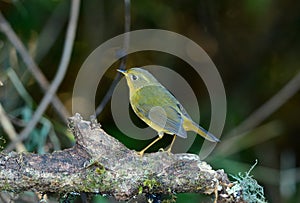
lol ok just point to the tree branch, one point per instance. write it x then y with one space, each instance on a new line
6 29
98 163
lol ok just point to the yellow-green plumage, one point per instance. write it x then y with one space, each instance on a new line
157 107
163 117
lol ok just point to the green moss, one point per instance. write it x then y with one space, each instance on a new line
97 180
100 170
140 190
150 183
6 187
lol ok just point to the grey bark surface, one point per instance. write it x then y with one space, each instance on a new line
98 163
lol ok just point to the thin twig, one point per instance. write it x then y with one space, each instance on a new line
31 65
259 115
122 66
16 81
69 41
10 130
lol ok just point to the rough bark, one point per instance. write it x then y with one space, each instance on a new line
98 163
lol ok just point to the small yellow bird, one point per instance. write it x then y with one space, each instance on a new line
158 108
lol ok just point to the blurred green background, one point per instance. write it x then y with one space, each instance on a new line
254 44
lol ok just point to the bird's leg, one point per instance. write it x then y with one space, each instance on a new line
170 148
160 135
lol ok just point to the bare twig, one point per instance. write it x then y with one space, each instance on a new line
126 42
259 115
244 141
9 129
15 80
31 65
70 36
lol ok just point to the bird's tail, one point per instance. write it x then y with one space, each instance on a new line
190 125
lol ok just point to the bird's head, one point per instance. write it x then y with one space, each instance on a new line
138 78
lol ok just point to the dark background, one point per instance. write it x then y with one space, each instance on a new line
254 44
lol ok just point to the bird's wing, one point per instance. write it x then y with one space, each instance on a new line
183 111
166 117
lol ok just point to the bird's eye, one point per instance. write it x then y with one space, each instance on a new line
134 77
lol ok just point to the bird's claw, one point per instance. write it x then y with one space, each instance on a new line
169 151
140 153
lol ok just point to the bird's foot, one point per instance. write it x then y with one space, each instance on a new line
140 153
169 151
161 150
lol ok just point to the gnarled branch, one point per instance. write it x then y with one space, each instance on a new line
98 163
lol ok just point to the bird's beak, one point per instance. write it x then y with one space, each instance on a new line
122 71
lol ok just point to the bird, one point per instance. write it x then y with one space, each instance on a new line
158 108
